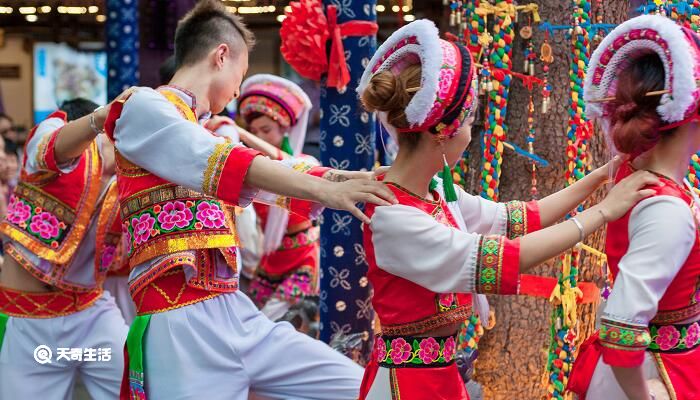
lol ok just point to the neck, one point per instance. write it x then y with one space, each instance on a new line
670 157
409 170
195 81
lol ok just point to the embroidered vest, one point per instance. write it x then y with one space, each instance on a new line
49 212
159 217
109 246
404 307
682 298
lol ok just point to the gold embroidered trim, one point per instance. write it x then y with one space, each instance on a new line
42 311
459 314
215 166
126 168
673 316
42 149
139 201
664 376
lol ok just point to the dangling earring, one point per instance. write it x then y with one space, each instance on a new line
448 183
286 146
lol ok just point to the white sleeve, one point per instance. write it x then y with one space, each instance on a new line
482 215
411 244
661 234
36 147
229 131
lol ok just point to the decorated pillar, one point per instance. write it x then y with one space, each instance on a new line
347 142
122 36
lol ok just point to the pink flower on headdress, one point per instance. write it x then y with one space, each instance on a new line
142 228
174 214
667 337
692 335
108 256
210 215
46 225
447 76
400 351
17 211
379 349
429 350
450 349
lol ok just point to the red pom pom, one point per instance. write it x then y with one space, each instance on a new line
304 35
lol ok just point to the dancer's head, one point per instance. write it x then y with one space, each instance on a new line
648 54
274 107
77 108
214 43
423 90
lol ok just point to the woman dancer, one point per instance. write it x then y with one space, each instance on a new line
439 244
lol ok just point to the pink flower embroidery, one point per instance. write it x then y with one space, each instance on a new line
142 228
379 349
287 242
17 211
45 224
210 215
446 78
108 256
667 337
174 214
450 349
302 239
429 350
692 335
400 351
446 300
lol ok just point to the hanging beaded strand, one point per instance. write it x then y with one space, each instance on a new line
547 59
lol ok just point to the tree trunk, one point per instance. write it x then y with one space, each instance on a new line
513 355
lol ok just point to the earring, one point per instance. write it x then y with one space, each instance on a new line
448 183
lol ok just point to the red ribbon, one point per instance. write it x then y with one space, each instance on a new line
338 73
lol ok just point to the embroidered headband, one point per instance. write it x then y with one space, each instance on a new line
677 47
280 99
447 93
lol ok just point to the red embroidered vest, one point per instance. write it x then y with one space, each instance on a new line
109 246
404 307
49 212
160 217
682 299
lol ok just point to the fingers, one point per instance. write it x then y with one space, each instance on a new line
371 198
644 193
380 190
358 214
381 170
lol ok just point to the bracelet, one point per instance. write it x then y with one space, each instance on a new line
581 232
93 126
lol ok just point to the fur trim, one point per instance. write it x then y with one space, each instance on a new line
673 107
430 53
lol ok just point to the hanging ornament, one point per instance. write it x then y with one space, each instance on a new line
547 59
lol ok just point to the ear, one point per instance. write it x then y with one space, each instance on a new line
221 52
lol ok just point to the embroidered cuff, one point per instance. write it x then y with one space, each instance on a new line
307 208
498 265
623 344
226 171
522 218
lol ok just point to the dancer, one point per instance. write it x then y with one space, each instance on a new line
440 243
650 327
55 263
196 335
277 110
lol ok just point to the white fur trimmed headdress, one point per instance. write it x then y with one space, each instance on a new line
678 49
446 95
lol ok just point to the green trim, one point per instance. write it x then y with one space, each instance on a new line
134 342
3 325
287 146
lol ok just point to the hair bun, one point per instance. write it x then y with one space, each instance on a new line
626 111
387 92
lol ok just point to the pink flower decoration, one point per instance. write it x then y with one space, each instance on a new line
45 224
400 351
450 349
429 350
379 349
446 299
108 256
302 239
17 211
692 335
210 215
174 214
287 242
142 228
447 76
667 337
